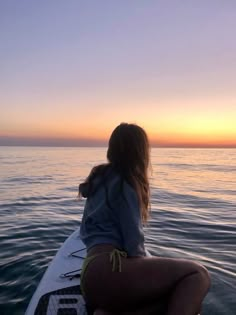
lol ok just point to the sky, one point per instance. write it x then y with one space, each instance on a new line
72 70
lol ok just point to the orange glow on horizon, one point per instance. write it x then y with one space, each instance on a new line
156 139
194 139
164 128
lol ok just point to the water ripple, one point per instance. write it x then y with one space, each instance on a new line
193 215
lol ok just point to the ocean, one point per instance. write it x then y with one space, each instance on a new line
193 215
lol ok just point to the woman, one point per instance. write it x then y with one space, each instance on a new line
117 275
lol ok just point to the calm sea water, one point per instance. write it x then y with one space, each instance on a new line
193 215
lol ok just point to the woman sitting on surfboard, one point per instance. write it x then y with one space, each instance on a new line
117 275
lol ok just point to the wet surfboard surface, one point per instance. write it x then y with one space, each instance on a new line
58 292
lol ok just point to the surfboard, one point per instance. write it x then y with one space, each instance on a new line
58 292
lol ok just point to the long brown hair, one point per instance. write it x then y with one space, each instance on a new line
129 153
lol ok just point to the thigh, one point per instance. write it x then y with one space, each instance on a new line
153 274
141 281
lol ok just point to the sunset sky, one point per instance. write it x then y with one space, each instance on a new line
71 70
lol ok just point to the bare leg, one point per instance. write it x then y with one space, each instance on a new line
102 312
186 290
147 310
144 281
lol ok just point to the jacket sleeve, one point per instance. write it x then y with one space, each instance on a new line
130 222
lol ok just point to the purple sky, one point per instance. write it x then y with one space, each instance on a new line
77 68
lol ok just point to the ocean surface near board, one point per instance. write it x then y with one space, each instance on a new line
193 215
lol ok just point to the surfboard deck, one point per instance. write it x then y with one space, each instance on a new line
58 292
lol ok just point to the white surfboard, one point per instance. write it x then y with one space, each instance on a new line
59 291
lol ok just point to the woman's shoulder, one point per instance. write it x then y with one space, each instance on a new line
96 177
120 188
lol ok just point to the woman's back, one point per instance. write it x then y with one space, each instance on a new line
112 215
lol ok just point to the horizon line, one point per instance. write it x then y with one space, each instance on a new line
22 141
171 146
